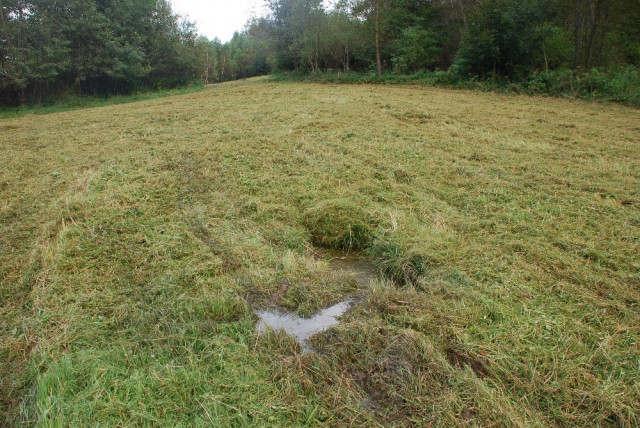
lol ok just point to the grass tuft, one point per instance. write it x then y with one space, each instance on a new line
403 265
340 224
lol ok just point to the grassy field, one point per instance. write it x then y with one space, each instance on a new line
136 240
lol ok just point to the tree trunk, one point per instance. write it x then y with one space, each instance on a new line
316 55
463 14
206 75
346 58
595 16
603 32
378 61
576 34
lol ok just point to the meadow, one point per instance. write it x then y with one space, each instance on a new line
136 241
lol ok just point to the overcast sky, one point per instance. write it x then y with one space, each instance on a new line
219 18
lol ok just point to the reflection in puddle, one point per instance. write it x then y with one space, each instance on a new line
303 328
361 269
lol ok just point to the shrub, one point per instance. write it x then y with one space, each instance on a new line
621 85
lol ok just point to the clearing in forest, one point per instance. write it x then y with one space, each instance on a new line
138 240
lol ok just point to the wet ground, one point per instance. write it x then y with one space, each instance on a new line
357 265
302 329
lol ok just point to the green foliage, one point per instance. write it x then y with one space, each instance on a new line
620 85
416 49
92 48
501 39
104 47
295 26
556 50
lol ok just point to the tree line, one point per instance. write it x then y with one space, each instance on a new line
53 48
508 38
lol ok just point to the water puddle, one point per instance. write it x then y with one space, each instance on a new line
362 270
303 328
359 267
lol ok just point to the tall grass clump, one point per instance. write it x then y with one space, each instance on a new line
340 224
400 263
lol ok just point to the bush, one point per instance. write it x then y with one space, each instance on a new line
620 85
501 39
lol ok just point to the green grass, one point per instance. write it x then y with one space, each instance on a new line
620 85
73 102
136 240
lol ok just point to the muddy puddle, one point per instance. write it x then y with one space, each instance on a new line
303 328
358 266
361 269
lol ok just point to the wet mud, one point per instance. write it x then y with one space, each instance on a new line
355 265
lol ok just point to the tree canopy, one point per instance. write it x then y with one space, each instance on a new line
53 48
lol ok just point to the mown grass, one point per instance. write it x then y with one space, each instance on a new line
620 85
136 240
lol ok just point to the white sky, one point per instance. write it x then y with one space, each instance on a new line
219 18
